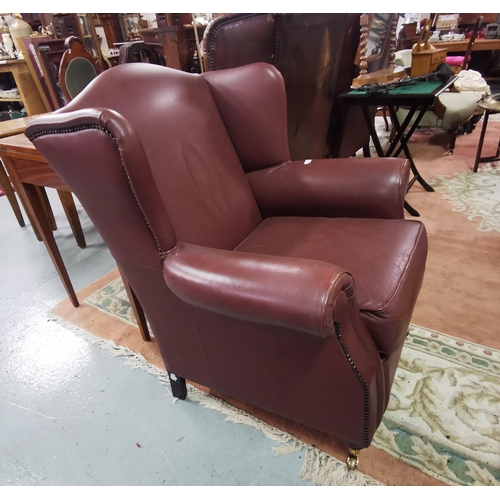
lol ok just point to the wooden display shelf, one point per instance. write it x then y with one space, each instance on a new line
30 96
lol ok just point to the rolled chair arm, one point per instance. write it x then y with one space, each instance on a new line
295 293
354 187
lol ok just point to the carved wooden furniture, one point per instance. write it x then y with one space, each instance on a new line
426 61
425 57
186 38
80 26
112 28
78 68
167 37
381 32
139 51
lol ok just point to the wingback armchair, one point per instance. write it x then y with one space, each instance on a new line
286 285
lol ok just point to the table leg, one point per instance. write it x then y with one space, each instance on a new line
44 199
400 132
68 204
137 308
380 152
33 226
481 140
9 192
404 147
34 205
373 132
29 194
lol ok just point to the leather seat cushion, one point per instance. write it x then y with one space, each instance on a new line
385 257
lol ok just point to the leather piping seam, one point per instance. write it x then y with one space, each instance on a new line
366 392
211 62
115 141
324 305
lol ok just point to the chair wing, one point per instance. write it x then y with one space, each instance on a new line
304 313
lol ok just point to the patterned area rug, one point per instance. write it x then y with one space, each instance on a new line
475 193
443 416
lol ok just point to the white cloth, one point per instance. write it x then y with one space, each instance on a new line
472 81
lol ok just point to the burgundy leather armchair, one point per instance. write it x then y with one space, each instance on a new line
287 285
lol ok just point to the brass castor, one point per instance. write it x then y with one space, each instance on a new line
352 459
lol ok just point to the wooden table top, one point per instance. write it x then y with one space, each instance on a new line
19 143
12 127
461 46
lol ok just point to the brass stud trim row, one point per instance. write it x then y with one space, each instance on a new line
366 392
80 128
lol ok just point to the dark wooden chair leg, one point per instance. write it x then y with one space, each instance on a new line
140 317
68 204
481 140
366 150
453 140
44 199
9 192
178 385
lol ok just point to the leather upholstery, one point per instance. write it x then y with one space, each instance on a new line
297 303
315 53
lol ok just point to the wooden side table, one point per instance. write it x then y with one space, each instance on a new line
418 97
9 128
490 108
29 171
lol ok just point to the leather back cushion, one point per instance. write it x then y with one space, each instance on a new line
251 100
238 39
193 161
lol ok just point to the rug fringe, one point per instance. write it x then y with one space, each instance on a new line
319 467
325 470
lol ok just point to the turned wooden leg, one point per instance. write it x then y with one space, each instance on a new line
178 385
352 459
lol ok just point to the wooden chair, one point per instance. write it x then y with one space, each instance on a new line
78 68
459 63
138 51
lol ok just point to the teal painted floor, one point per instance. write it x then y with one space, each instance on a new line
70 414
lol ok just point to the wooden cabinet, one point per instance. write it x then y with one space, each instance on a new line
167 37
112 28
426 61
79 25
30 96
185 40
